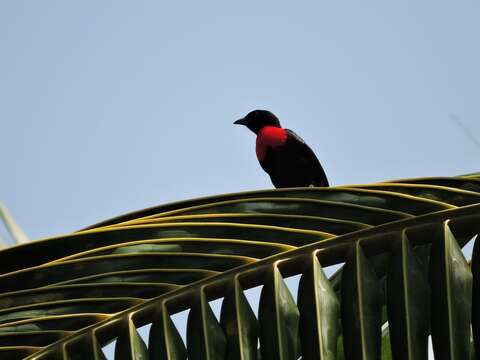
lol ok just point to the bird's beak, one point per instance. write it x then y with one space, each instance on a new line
242 121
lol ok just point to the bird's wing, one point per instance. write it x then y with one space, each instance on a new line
302 148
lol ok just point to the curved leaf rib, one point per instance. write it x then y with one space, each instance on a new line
91 287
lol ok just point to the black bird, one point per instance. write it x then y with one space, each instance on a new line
282 153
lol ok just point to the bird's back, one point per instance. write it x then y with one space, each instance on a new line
294 164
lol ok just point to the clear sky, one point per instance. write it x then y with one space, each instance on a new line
112 106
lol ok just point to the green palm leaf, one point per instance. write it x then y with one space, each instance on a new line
68 296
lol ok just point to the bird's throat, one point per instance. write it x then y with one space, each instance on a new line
269 137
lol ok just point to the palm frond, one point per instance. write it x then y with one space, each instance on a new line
68 296
15 231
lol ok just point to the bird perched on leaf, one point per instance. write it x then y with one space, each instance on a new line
283 154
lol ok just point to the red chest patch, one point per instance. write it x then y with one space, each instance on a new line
269 137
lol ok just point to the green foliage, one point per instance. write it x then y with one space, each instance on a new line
68 296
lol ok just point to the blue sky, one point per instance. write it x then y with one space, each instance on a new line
112 106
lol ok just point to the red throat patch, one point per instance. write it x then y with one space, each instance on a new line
269 137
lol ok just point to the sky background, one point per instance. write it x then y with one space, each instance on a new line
112 106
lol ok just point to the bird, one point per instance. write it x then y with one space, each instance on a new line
282 153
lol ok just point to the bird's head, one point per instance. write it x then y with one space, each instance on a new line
257 119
